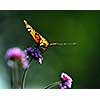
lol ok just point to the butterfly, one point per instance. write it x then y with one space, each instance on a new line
40 40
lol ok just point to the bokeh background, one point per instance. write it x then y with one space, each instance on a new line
81 62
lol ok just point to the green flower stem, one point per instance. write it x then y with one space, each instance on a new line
14 76
25 74
24 78
52 85
17 80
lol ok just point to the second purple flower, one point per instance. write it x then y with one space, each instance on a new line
66 81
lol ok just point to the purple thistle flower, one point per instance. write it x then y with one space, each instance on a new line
66 81
16 53
34 53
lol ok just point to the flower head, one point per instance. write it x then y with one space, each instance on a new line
16 53
34 53
66 81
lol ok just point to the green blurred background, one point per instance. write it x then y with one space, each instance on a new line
81 62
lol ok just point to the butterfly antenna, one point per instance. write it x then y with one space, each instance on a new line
57 44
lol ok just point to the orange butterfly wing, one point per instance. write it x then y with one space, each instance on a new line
42 42
37 38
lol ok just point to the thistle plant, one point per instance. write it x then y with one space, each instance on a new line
15 54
